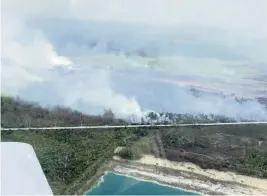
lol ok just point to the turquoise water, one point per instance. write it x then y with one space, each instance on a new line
115 184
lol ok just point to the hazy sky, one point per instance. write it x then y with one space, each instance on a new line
136 55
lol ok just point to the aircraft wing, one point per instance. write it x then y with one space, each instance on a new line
21 172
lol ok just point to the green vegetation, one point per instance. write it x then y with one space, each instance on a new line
238 148
255 162
66 155
69 158
129 153
20 113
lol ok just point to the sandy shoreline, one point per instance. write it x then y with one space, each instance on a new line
129 173
191 177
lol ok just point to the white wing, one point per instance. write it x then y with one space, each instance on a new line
21 172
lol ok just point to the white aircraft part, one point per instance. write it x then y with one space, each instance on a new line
21 172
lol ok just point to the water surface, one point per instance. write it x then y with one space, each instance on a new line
115 184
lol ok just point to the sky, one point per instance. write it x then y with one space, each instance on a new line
137 55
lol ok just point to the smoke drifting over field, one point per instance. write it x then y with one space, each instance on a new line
112 58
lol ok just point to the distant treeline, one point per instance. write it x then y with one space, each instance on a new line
20 113
176 118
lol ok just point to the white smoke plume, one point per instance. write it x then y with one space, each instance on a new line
75 47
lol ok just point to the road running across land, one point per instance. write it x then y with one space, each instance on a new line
133 126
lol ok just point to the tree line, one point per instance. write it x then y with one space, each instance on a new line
16 112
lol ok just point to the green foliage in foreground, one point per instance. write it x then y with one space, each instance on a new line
68 155
238 148
256 161
130 153
69 158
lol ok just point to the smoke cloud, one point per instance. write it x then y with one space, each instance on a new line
114 58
